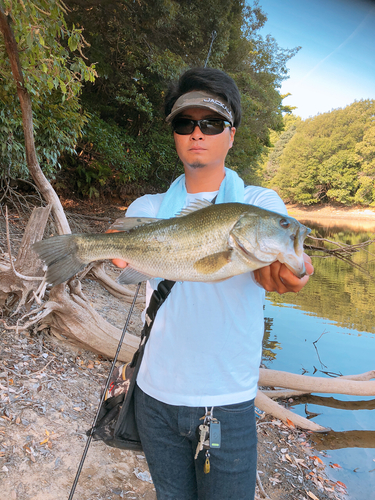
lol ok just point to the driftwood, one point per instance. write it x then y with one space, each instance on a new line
351 385
21 279
98 273
358 385
72 316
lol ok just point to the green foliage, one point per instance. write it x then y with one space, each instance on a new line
137 48
140 47
329 158
109 160
278 142
53 77
338 177
366 149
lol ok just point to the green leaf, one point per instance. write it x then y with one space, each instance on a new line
50 83
73 43
63 87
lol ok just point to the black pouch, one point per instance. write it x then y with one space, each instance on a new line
116 424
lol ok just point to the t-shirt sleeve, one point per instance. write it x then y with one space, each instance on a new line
265 198
145 206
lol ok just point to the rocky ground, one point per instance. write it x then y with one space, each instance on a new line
49 392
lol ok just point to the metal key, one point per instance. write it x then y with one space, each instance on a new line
203 436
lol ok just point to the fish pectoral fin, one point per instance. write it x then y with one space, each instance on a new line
214 262
193 207
126 223
130 276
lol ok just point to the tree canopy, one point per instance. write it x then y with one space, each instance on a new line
327 158
108 133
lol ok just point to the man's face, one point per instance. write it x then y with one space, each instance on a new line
197 150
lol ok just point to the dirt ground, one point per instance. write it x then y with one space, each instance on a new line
49 392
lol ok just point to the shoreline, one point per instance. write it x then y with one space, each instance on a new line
331 211
352 219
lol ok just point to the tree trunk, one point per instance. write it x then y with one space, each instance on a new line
47 191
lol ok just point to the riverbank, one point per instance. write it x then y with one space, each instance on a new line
331 211
345 218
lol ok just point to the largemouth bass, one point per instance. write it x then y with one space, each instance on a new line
204 242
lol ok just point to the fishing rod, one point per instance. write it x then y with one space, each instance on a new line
213 36
88 442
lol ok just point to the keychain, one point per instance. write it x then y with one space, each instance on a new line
209 436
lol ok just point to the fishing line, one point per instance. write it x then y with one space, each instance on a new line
104 393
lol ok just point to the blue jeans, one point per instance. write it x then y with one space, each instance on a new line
168 435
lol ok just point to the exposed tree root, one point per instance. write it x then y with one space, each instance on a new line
73 317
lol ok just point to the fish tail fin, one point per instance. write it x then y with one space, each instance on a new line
61 256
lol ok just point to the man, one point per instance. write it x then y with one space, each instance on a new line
203 355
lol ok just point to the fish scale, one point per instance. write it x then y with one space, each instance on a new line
212 243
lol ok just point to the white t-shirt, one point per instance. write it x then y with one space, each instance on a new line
206 342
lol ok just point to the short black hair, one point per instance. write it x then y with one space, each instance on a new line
210 80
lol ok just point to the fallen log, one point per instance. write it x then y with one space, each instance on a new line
339 385
266 404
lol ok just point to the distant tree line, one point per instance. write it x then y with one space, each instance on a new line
329 158
97 73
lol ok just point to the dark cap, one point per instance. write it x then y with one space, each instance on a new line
200 99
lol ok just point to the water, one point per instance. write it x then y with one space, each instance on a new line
329 329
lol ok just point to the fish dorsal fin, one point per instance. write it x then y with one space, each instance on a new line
193 207
126 223
130 276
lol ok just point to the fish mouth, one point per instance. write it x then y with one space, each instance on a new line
294 265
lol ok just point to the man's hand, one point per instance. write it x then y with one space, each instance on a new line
117 262
277 277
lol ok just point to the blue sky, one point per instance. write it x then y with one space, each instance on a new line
336 64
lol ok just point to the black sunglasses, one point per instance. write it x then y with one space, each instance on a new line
213 126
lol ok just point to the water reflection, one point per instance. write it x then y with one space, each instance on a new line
329 328
347 439
337 291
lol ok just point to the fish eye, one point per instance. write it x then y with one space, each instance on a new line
284 223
